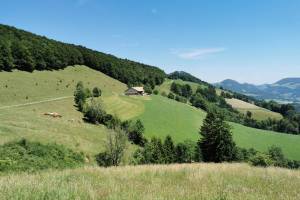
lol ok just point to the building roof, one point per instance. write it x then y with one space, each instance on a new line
139 89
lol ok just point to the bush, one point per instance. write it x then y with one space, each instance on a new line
171 96
155 92
276 154
114 149
148 89
97 92
32 156
94 112
181 99
261 159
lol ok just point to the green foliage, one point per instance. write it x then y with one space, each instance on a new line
276 155
261 159
185 77
30 52
135 133
156 152
148 89
198 101
80 96
185 152
97 92
155 92
114 149
32 156
216 143
6 58
95 113
181 99
181 90
171 95
169 150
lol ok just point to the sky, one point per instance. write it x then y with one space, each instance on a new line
255 41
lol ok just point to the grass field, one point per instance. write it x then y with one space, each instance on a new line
258 113
187 181
161 116
29 122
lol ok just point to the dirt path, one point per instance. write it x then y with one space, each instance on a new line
35 102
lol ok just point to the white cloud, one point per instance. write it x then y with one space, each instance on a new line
195 54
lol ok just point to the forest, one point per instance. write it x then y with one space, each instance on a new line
25 51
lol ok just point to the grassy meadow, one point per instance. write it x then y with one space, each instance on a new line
161 116
258 113
186 181
29 122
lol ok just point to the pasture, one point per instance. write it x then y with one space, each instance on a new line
185 181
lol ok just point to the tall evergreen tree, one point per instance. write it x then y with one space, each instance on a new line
216 144
169 150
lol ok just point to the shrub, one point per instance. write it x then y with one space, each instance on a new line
261 159
32 156
171 96
155 92
94 112
114 149
97 92
148 89
276 154
181 99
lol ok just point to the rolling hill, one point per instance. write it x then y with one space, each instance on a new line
161 116
285 90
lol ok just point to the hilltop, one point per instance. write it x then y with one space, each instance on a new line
285 90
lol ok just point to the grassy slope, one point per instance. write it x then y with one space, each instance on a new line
29 121
163 116
160 115
188 181
258 113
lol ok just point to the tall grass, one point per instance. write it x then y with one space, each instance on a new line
186 181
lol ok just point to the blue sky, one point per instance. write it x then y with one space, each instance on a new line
255 41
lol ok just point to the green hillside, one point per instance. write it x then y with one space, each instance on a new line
258 113
185 181
161 116
29 121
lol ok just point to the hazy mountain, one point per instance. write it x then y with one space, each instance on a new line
284 90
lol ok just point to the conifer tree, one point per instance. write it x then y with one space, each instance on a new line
216 144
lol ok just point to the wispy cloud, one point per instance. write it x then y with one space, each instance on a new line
196 54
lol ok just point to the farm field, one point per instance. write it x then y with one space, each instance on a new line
161 116
185 181
258 113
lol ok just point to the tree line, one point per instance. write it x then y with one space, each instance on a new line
206 98
289 124
26 51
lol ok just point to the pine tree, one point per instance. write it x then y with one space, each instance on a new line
169 150
216 144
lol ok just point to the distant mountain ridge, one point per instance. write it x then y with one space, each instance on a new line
284 90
